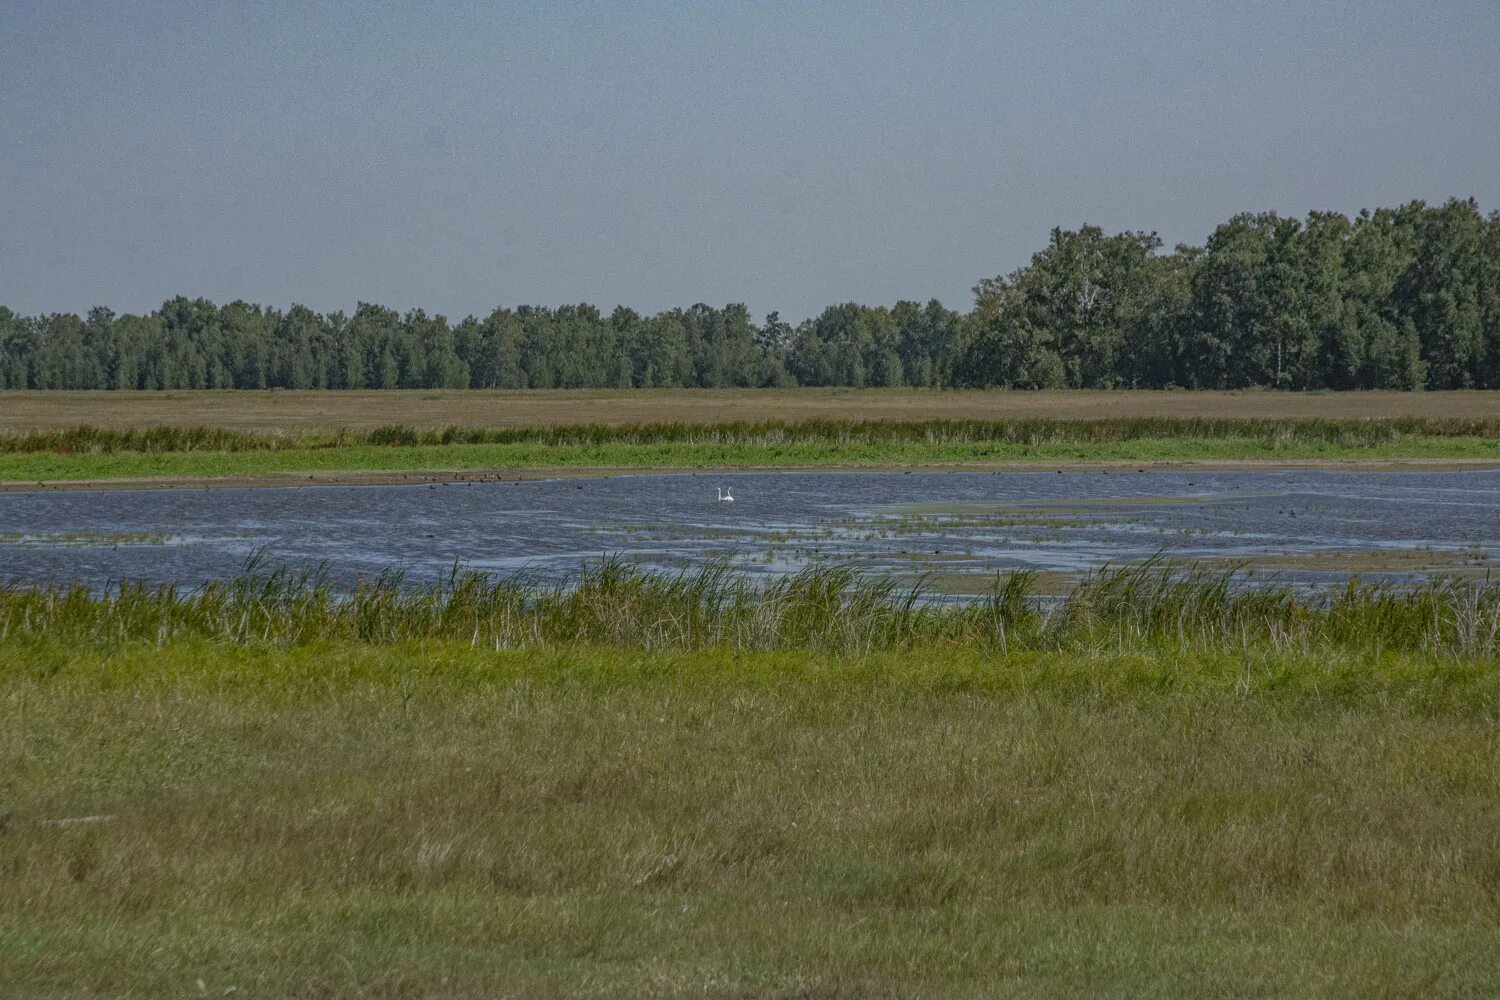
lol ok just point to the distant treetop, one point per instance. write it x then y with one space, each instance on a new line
1402 298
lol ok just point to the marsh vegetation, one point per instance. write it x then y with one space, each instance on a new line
685 786
1152 607
1166 780
88 453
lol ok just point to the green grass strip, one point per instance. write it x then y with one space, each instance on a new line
51 466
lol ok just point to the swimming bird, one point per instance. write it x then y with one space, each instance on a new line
725 496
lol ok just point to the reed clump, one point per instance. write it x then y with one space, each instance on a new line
1037 432
613 603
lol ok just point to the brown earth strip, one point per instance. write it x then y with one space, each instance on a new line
314 410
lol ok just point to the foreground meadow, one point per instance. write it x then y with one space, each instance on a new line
426 821
1160 787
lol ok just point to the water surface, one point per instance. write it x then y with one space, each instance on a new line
1308 525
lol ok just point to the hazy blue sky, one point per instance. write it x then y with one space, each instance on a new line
653 154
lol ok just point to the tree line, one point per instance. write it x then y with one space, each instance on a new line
1401 298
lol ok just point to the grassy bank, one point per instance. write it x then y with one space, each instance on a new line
684 786
340 819
90 453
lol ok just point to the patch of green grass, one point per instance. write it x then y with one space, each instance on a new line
135 465
90 453
340 819
51 538
686 786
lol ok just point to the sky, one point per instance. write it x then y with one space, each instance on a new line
787 156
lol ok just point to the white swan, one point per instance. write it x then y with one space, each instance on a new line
724 495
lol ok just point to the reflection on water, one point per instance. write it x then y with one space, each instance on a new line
1308 525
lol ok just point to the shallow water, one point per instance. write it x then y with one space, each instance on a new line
957 526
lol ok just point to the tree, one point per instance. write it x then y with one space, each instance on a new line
1441 290
1002 347
1405 297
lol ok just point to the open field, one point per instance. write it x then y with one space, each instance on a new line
302 411
346 820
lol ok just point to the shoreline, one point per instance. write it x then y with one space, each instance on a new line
444 477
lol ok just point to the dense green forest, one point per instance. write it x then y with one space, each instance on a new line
1402 298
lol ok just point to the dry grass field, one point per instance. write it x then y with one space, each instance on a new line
279 410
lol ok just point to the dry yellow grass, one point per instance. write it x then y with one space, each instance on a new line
316 410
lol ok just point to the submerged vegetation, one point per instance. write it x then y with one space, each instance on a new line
825 610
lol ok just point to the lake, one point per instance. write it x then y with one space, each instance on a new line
955 528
